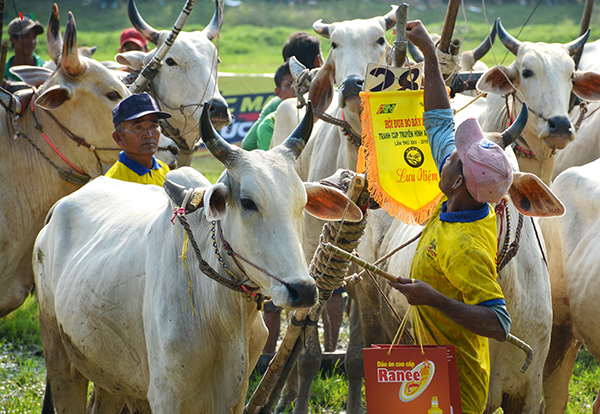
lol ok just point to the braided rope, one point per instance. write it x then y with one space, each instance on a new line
449 64
332 269
514 246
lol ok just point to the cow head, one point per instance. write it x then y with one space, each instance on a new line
528 192
81 94
354 44
188 77
259 201
543 75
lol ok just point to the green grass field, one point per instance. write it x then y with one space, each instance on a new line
250 42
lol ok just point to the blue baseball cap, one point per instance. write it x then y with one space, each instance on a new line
136 106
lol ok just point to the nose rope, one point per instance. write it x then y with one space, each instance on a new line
236 256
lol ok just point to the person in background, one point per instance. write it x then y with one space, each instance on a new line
284 89
453 274
305 47
132 40
307 50
23 37
137 131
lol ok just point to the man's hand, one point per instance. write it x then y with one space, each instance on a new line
417 292
418 35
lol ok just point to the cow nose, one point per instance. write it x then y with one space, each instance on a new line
302 295
218 110
560 126
352 86
173 149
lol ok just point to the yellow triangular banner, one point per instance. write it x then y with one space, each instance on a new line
401 172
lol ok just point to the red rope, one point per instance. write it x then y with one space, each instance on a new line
56 149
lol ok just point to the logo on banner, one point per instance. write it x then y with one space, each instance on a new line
414 157
412 389
386 109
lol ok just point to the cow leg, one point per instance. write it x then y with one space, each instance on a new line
596 406
69 387
354 362
104 402
559 368
309 364
289 393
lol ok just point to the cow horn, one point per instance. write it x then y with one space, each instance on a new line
415 53
53 35
576 45
321 28
512 132
216 144
143 28
390 19
212 30
507 40
70 61
299 137
485 46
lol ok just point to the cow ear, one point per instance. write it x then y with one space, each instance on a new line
327 203
215 201
498 80
31 75
181 195
321 88
135 59
533 198
54 97
586 85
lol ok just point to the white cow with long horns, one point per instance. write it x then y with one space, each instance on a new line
64 126
187 79
120 306
543 75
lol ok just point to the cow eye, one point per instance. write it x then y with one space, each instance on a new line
248 204
114 96
171 62
527 73
334 45
381 41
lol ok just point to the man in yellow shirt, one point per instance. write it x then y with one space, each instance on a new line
453 275
138 133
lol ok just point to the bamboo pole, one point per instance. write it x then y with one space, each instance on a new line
585 25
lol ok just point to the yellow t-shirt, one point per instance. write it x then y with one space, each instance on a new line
456 255
128 170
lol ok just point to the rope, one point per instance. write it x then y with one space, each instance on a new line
449 64
514 246
332 270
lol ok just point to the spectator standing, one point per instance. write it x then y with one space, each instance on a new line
23 37
132 40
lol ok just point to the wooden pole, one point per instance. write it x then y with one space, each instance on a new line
400 43
449 23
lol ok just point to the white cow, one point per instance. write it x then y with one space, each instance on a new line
586 148
572 248
542 75
119 306
80 96
524 281
187 79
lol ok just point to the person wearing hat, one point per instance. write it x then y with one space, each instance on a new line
132 40
453 275
23 35
138 133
